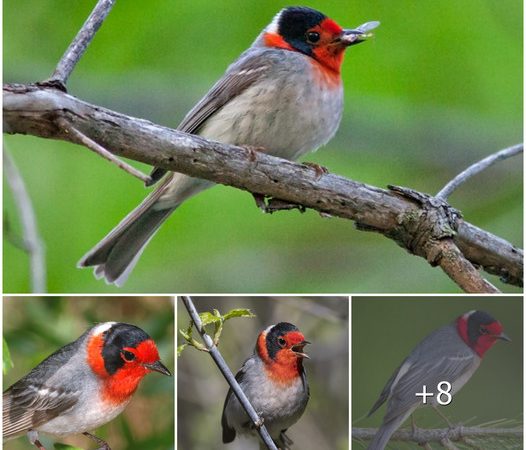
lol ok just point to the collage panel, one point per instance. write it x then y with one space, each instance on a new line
296 387
103 365
407 351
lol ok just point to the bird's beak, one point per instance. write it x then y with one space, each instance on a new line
503 337
357 35
158 366
298 349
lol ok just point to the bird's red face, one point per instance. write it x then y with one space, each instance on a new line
281 347
121 355
480 331
310 32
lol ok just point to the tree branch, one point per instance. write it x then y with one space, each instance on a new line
31 238
478 167
231 380
441 435
79 45
410 220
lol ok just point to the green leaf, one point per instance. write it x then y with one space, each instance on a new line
180 349
7 362
238 313
208 317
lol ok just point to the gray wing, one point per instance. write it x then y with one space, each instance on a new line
35 399
29 406
239 76
229 433
445 369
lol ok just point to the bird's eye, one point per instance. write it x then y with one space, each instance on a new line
483 330
128 356
281 342
312 37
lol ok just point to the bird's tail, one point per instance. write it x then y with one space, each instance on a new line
383 435
114 257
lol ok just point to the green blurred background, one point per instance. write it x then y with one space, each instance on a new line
439 88
201 389
36 327
385 330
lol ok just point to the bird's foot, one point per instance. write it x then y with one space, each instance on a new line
102 443
319 170
253 152
272 205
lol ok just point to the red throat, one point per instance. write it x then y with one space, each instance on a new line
285 367
483 342
118 387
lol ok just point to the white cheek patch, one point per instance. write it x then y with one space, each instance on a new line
102 327
274 25
466 316
268 329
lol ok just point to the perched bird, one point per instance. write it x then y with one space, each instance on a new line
284 95
81 386
275 383
452 353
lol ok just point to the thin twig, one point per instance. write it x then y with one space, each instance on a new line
223 367
478 167
31 238
100 150
83 38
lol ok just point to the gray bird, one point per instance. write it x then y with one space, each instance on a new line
284 94
452 353
275 383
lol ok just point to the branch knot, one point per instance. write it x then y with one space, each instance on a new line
420 230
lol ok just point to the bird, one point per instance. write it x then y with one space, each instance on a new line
283 96
275 383
81 386
451 353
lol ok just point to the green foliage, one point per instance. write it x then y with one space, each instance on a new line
7 362
66 447
210 318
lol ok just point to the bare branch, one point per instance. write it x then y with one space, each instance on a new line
460 270
408 219
231 380
457 434
31 238
478 167
101 151
79 45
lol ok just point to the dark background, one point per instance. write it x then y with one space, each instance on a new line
438 88
385 330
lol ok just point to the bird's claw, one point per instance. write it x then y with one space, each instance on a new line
319 170
274 204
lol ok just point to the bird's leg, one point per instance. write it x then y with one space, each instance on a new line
319 170
103 444
33 438
287 442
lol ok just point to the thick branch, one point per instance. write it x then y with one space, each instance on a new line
231 380
457 434
37 110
